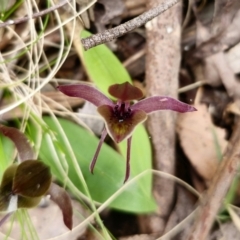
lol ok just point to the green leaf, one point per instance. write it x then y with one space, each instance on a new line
103 67
109 170
6 153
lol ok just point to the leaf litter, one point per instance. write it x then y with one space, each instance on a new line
210 43
205 151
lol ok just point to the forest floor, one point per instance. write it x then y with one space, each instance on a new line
190 52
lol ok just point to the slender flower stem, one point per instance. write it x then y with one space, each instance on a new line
103 136
129 141
122 29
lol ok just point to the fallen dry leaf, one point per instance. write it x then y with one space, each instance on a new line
218 36
234 108
113 10
109 13
219 63
201 140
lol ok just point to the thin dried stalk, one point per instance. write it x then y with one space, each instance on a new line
214 197
162 67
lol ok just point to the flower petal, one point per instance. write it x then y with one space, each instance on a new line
125 92
32 179
62 199
121 129
27 202
157 103
93 162
86 92
21 142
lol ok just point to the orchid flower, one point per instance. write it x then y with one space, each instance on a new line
121 117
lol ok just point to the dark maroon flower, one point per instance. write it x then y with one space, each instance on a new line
121 117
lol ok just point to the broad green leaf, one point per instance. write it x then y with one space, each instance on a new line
6 153
103 67
108 173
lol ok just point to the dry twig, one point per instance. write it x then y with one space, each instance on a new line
122 29
213 199
163 55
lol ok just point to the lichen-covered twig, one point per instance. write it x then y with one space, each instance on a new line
120 30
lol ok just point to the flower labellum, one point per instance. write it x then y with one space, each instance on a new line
121 117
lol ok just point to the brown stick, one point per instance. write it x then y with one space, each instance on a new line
213 199
122 29
162 66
